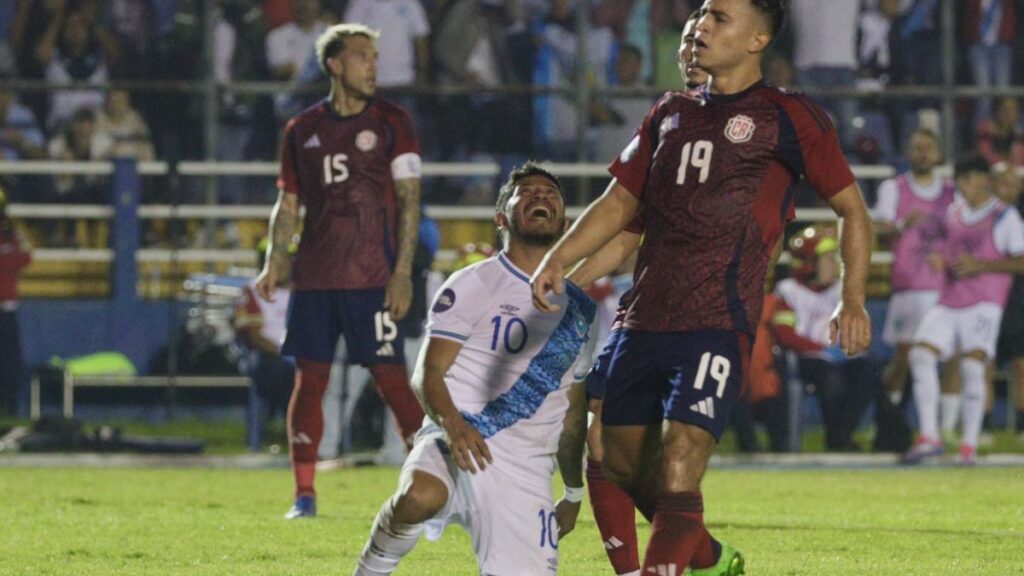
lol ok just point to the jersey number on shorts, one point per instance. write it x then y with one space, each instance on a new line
718 366
548 529
514 338
384 327
698 155
335 170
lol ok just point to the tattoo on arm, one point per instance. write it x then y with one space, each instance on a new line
408 192
283 223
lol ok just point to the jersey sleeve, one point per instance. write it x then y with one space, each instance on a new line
886 206
630 168
288 177
636 225
809 145
459 305
1009 233
405 155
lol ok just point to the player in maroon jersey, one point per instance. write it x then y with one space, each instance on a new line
711 174
353 160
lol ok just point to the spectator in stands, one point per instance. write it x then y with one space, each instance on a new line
76 48
990 31
825 53
260 325
556 115
920 33
289 47
1010 348
404 40
615 119
14 257
80 141
8 60
1001 139
124 126
910 211
877 56
844 386
20 136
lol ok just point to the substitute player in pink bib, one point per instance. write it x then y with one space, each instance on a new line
983 246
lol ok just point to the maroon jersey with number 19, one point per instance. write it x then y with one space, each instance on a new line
344 170
714 176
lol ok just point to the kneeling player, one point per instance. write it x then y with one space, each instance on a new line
494 379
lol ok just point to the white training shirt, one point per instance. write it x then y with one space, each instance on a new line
511 378
813 308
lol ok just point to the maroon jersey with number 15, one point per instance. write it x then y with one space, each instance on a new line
714 176
344 169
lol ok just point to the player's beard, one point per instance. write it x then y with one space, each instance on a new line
534 237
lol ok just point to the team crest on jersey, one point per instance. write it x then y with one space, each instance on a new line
366 140
740 129
444 301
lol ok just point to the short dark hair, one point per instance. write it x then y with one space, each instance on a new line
972 163
529 168
627 48
774 11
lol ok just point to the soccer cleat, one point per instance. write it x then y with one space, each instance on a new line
730 563
968 455
304 507
923 449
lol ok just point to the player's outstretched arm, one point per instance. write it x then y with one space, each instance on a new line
598 224
398 293
570 459
606 259
850 326
284 221
469 450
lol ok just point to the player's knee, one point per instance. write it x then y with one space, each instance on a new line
922 355
419 501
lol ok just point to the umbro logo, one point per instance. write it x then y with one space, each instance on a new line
664 570
386 349
313 142
509 309
613 543
705 407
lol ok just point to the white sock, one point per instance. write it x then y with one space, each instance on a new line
924 365
973 373
389 542
949 411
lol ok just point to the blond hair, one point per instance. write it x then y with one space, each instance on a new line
332 41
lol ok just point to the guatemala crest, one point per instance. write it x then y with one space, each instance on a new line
739 129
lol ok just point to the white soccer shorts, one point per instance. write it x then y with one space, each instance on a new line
904 315
961 330
507 509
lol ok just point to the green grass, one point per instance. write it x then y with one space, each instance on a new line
228 522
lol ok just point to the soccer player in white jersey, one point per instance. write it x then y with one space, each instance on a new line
494 379
983 247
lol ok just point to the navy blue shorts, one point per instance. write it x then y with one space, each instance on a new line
692 377
316 318
598 375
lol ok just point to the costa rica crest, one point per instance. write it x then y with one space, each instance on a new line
739 129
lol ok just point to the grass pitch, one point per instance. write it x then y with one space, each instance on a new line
229 522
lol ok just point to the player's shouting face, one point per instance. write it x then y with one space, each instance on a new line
728 33
536 211
356 66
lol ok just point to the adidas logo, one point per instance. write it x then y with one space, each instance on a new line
301 438
664 570
386 350
613 543
705 407
313 142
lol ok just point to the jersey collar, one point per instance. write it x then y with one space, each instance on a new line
727 98
503 258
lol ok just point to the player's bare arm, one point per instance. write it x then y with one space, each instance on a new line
606 260
598 224
850 325
398 294
570 459
284 221
469 450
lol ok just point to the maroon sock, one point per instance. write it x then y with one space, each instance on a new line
707 553
306 421
676 533
392 381
616 519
